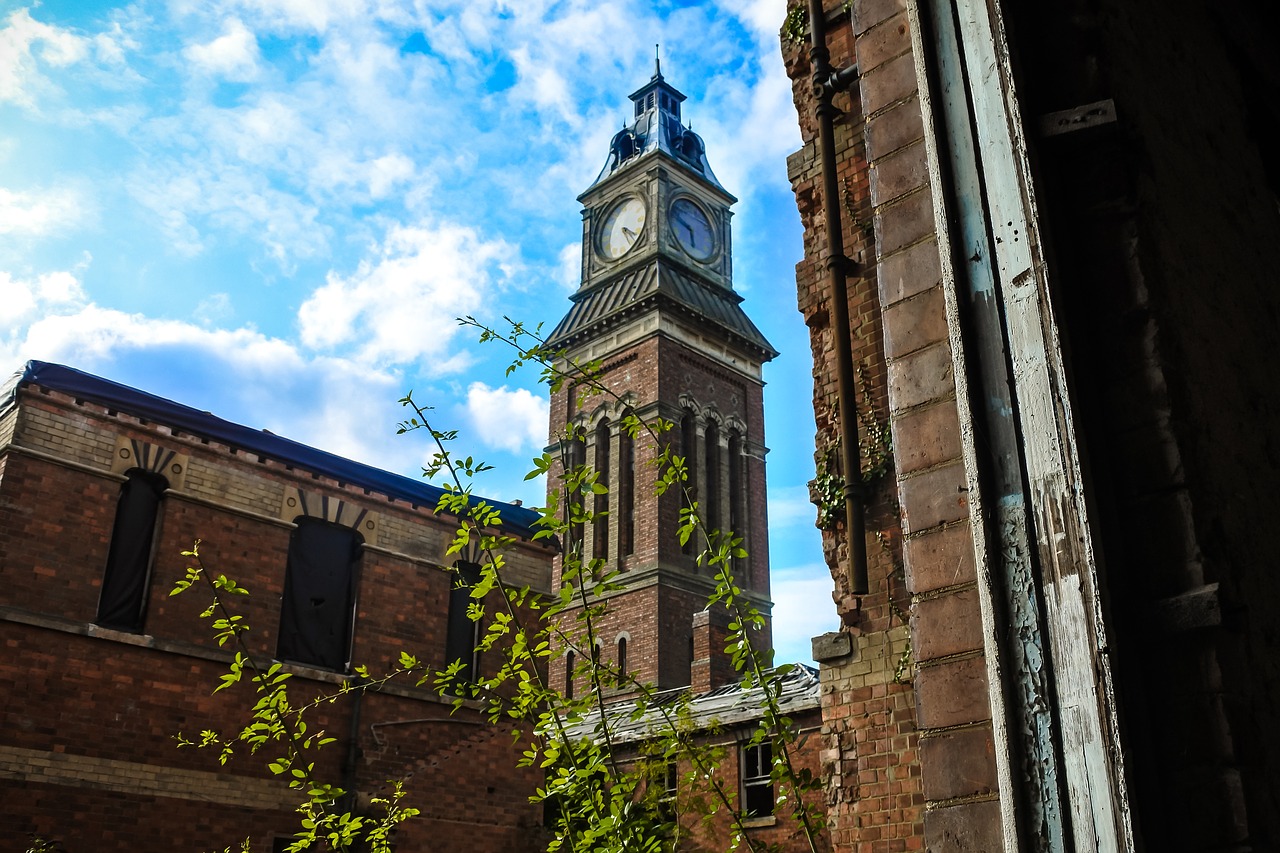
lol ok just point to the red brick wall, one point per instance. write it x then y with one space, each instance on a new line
652 375
88 716
905 712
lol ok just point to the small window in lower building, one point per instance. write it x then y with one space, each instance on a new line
757 780
665 777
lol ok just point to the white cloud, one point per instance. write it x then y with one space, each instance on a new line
39 212
34 54
402 305
24 44
790 506
315 16
194 196
239 374
214 308
232 55
763 16
802 609
388 172
570 271
24 300
514 420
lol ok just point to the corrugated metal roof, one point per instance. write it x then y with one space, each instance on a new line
723 707
664 285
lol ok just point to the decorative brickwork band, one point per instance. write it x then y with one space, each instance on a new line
131 453
300 504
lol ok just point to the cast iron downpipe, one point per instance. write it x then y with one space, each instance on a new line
826 83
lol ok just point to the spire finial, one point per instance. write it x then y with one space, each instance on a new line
657 63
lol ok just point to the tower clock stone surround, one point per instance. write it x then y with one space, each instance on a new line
656 307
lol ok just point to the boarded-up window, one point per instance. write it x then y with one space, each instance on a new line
318 609
122 603
461 641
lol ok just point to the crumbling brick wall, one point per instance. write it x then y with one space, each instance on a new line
1159 226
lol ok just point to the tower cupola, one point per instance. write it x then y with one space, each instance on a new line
656 126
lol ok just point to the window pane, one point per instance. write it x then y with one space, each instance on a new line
757 784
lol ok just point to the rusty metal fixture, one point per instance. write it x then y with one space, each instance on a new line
826 83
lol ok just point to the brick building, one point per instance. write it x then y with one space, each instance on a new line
103 486
1063 227
101 489
656 309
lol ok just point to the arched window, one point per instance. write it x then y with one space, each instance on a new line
622 657
318 606
689 449
737 498
626 490
600 527
577 458
711 502
736 508
568 674
126 579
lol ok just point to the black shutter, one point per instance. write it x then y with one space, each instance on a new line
460 642
319 594
123 600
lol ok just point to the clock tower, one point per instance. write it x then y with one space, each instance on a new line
656 307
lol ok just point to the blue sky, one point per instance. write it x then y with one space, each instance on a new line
275 209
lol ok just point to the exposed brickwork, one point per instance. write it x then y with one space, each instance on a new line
1132 218
780 829
87 755
655 377
662 361
900 340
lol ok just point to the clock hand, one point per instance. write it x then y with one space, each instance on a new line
629 234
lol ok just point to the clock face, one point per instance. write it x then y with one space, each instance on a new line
692 229
622 227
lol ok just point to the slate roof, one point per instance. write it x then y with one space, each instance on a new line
663 285
723 707
516 520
